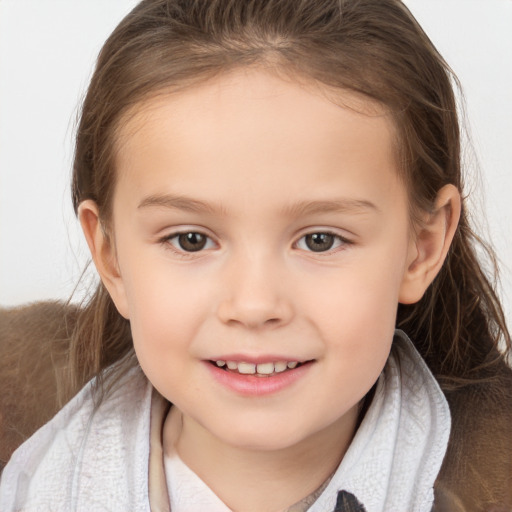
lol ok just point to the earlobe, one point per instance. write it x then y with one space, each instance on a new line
103 254
430 245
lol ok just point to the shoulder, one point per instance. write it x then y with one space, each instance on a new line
477 470
92 456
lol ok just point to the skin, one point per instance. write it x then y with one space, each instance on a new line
255 163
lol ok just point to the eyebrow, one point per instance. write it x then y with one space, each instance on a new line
342 205
302 208
179 203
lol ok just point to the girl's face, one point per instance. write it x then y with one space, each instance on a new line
258 225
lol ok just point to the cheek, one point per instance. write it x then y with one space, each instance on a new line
356 314
162 331
357 298
167 310
361 330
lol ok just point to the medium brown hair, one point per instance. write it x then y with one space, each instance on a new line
373 47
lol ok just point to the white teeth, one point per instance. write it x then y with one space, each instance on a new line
265 368
280 367
261 368
246 368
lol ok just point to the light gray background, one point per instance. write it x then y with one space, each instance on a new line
47 50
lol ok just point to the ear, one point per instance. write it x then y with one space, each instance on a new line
103 254
430 245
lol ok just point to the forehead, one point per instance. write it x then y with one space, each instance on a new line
249 88
250 125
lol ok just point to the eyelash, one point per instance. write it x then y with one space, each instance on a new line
339 241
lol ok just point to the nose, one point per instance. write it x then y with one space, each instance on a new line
255 294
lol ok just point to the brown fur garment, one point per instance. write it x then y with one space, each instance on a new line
34 342
476 475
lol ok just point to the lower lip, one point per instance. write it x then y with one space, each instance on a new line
251 385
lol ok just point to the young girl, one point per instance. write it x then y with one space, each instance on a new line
269 188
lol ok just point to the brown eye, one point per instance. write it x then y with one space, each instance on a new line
319 242
190 242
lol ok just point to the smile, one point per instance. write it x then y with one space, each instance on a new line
260 370
257 378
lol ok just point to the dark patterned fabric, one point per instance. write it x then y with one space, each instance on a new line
347 502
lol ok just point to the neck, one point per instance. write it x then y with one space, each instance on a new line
269 480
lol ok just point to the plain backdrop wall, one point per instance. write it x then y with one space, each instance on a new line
47 51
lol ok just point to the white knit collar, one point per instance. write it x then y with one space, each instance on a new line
397 452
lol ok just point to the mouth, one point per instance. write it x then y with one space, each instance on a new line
267 369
